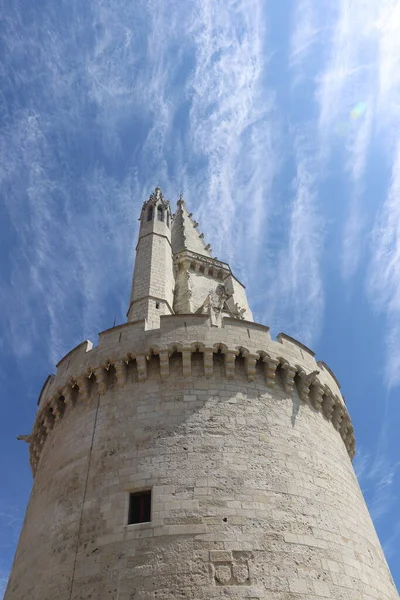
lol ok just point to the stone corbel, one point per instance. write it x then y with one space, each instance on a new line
328 405
316 395
68 396
164 363
120 371
351 448
303 385
83 384
289 373
101 380
305 382
337 416
208 356
48 424
270 366
55 406
344 426
141 363
250 362
229 361
186 361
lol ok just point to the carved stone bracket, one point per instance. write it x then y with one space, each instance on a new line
101 380
305 382
328 404
208 354
230 358
186 361
164 364
141 362
250 362
289 373
83 384
120 370
317 395
270 366
337 416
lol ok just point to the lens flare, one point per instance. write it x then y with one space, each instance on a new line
358 110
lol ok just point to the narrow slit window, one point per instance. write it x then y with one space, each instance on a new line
139 507
157 305
150 214
160 214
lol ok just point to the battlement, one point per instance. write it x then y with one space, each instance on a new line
129 354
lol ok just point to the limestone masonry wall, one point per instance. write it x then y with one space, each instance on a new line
245 447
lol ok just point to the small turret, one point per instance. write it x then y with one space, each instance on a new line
153 279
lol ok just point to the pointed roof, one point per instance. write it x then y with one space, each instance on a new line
155 198
185 235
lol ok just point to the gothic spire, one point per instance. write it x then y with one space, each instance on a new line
185 233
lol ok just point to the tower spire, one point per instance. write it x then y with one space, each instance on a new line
185 233
153 279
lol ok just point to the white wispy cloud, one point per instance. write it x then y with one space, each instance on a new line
384 275
296 291
346 108
377 475
358 93
230 121
384 280
306 32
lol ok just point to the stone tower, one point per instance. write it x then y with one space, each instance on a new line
191 456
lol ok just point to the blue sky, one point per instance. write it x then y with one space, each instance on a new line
279 122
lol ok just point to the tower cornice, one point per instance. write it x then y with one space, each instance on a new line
89 370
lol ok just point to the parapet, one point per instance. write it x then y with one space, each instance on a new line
130 349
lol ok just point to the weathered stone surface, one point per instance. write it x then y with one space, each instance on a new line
247 502
245 443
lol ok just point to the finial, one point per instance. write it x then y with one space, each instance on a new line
181 200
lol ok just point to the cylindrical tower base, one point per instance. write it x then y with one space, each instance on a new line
253 494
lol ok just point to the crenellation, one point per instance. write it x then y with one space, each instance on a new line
137 367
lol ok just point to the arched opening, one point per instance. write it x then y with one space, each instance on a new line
160 214
150 214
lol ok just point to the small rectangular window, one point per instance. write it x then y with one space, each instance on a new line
139 507
157 305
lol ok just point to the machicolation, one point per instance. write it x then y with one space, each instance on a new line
139 355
